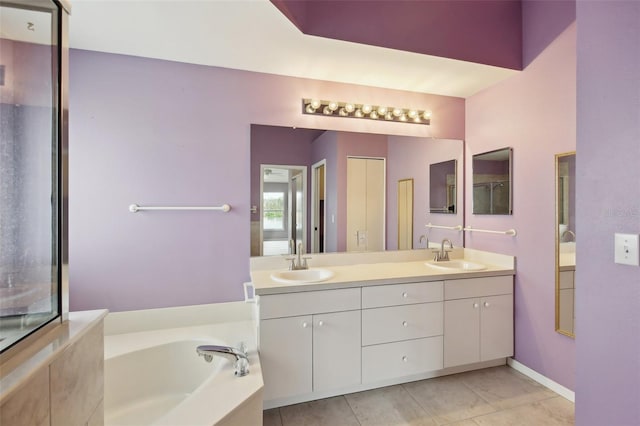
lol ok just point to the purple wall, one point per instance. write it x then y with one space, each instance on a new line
608 201
533 112
487 31
542 22
157 132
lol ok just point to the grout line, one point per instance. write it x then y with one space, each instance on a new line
355 416
426 410
543 380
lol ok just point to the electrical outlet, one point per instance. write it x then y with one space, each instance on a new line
626 249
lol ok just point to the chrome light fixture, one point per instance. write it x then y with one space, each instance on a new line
368 111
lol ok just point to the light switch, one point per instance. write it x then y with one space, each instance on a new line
626 249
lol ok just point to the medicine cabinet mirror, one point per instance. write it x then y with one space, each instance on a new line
493 182
335 164
442 187
565 232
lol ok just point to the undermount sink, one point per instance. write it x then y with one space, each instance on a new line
301 276
456 265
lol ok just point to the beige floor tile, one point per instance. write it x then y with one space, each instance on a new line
468 422
503 387
448 399
271 417
547 413
388 406
331 412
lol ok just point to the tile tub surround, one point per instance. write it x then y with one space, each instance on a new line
236 398
58 379
374 268
494 396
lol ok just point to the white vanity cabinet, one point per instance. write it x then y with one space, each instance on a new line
401 330
317 351
478 320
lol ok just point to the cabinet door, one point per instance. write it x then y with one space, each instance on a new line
496 327
336 350
461 332
285 355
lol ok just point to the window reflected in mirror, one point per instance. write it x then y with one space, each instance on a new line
442 187
492 182
565 231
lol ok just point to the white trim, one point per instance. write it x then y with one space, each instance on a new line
314 218
543 380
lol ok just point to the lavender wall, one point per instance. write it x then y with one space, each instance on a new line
533 112
157 132
608 201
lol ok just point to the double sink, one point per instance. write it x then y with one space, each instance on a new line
317 275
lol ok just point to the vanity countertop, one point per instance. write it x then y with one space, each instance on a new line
374 270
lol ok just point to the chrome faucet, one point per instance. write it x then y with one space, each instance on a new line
443 254
239 356
298 262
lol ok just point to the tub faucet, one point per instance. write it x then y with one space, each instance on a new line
443 255
239 356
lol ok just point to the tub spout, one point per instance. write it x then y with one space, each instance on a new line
239 356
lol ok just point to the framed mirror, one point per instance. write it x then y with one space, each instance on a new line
493 182
565 231
442 187
333 161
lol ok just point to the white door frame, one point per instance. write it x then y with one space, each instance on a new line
304 193
314 204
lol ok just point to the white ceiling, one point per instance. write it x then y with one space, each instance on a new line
253 35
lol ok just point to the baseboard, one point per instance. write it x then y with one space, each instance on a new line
544 381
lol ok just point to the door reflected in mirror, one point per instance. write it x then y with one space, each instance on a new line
492 182
565 232
442 187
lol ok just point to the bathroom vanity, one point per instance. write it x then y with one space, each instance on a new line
380 319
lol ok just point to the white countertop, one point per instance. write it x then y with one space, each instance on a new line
397 269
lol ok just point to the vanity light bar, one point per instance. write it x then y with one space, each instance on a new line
368 111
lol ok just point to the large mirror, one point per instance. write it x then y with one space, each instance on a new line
336 191
492 182
565 232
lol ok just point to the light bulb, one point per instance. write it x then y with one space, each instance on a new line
403 117
416 119
349 107
315 104
397 112
388 115
366 109
382 110
333 106
327 111
412 113
374 115
310 109
427 115
343 112
359 113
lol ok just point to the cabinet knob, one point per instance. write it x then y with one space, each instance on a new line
320 323
405 324
405 294
486 304
305 325
405 359
476 305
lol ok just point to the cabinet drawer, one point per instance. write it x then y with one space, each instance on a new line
402 294
381 362
478 287
308 302
395 323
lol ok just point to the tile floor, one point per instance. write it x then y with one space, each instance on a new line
498 396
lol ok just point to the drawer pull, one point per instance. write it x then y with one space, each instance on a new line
486 304
476 305
405 294
405 359
320 323
305 325
405 324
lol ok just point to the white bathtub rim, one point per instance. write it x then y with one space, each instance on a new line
232 391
